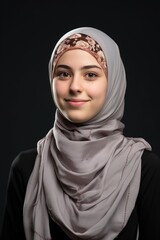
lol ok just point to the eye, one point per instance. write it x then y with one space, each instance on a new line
62 75
91 76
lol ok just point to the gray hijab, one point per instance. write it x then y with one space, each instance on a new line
86 176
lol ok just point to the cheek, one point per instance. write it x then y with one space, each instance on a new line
98 91
58 89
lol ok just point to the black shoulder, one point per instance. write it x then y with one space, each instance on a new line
150 157
150 164
24 163
25 157
12 219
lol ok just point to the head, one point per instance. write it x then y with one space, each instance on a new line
87 76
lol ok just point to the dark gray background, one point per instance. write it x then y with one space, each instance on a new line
29 31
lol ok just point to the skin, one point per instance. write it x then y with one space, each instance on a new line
79 86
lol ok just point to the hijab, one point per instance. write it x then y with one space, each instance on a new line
86 176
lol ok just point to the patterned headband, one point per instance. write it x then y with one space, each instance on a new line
83 42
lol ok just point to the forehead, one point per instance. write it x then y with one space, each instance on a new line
77 56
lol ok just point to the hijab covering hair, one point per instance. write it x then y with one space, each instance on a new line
86 176
79 41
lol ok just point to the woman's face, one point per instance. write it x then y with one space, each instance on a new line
79 85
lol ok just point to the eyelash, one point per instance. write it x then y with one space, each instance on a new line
62 75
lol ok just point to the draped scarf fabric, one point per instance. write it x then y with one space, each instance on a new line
86 176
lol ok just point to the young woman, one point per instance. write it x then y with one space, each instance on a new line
85 179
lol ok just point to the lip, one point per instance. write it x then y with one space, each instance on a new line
76 102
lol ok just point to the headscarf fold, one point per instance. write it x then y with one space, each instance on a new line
86 176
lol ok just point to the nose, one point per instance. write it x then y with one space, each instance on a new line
76 84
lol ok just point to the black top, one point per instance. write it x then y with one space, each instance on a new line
146 213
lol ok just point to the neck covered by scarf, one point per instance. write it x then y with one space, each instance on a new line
86 176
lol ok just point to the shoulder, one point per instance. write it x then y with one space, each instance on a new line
150 161
23 163
25 157
150 171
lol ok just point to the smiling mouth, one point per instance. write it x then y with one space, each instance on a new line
76 102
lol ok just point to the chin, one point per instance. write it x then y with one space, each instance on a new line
76 120
73 120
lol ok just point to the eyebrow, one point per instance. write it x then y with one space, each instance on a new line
84 67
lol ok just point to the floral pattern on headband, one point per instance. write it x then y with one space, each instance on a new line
84 42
